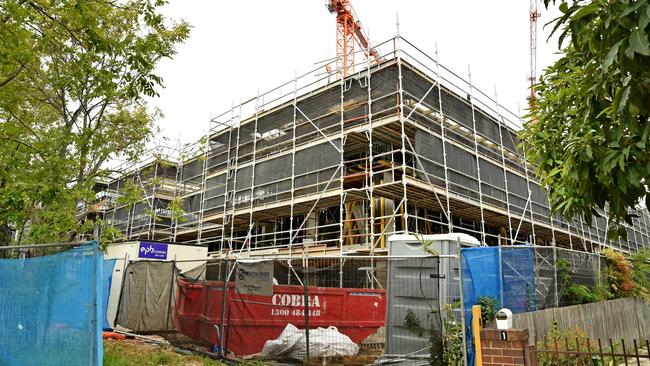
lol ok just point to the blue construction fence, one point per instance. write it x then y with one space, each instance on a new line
53 305
505 274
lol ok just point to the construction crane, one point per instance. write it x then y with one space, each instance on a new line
534 15
348 33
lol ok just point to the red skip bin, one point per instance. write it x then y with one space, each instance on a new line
251 320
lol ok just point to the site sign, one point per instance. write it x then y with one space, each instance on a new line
152 250
254 278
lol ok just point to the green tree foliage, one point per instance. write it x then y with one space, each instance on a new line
73 75
588 132
175 207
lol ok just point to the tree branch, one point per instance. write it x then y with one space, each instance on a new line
12 76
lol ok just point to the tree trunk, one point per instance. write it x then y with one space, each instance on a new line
5 234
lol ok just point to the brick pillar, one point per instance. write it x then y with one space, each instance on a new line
510 352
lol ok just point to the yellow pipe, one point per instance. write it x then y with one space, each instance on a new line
382 212
476 333
382 224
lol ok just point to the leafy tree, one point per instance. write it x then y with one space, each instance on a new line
73 77
588 131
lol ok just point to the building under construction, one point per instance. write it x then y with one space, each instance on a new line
399 145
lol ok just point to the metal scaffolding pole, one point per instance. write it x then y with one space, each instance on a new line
177 193
568 224
252 194
152 207
582 228
203 189
293 159
234 182
369 181
595 221
402 131
478 160
341 178
646 227
224 221
528 185
450 224
503 164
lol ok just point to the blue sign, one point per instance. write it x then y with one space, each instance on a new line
152 250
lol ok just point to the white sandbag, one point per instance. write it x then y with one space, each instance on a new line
283 344
323 342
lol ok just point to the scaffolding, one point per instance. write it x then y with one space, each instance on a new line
334 165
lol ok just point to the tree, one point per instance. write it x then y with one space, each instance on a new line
588 132
73 77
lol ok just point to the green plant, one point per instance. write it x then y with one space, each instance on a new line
564 341
575 293
175 207
427 245
488 308
581 294
641 273
130 194
109 234
563 276
452 338
531 303
412 323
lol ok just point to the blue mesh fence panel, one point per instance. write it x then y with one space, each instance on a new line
480 268
483 277
107 279
518 270
50 313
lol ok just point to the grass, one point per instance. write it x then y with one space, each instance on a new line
127 353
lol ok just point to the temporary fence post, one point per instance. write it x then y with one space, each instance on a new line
119 299
305 281
462 303
171 295
556 298
223 307
98 276
500 276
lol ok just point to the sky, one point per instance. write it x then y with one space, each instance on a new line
239 47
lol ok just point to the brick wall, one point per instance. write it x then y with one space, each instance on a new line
512 352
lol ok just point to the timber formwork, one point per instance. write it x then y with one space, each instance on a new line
401 146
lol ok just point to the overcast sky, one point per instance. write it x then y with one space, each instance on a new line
238 47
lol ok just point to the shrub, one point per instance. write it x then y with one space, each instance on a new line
488 308
641 273
581 294
618 274
557 337
452 338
